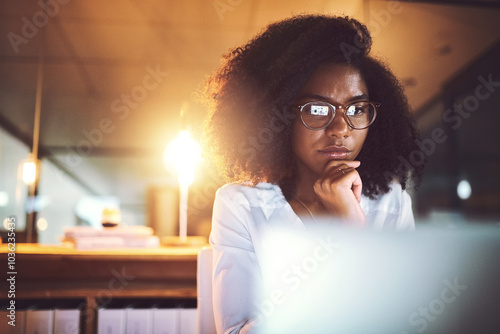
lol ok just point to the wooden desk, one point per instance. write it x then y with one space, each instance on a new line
96 276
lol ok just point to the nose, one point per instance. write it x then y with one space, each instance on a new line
338 127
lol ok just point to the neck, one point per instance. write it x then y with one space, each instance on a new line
305 188
304 191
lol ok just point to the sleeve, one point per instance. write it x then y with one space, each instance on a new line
406 221
236 270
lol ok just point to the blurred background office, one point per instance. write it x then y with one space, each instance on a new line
96 90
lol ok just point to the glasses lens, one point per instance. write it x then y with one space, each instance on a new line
360 114
316 115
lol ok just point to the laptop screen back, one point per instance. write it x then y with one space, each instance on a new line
335 280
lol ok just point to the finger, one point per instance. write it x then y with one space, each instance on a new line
352 175
346 177
334 175
336 164
344 170
357 188
334 168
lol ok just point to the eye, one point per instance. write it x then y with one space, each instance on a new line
318 110
357 109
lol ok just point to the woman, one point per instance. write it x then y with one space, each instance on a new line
305 124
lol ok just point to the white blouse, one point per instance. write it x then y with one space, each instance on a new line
242 215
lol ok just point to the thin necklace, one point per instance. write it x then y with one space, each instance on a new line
305 206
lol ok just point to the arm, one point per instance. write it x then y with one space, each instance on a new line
235 267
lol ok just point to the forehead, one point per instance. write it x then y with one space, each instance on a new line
336 82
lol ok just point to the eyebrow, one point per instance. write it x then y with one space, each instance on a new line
323 98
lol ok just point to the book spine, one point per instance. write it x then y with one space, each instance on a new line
111 321
166 321
66 321
188 320
139 321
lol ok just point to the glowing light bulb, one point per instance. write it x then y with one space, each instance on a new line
184 153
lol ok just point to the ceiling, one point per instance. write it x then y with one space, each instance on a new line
118 73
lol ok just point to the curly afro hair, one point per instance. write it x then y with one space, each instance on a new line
251 101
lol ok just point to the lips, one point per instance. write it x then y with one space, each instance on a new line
335 152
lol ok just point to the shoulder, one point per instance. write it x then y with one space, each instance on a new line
262 194
390 210
242 213
390 201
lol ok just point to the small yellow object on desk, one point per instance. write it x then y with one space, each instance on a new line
189 241
111 217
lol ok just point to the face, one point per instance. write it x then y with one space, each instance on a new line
337 84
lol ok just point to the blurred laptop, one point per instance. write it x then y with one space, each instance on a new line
327 279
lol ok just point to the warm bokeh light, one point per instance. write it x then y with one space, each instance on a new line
29 172
42 224
183 153
6 222
4 198
464 189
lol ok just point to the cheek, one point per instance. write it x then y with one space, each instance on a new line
302 138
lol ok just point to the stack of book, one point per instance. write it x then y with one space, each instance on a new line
86 237
42 321
109 321
147 321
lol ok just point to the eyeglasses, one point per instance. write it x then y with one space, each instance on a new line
317 115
